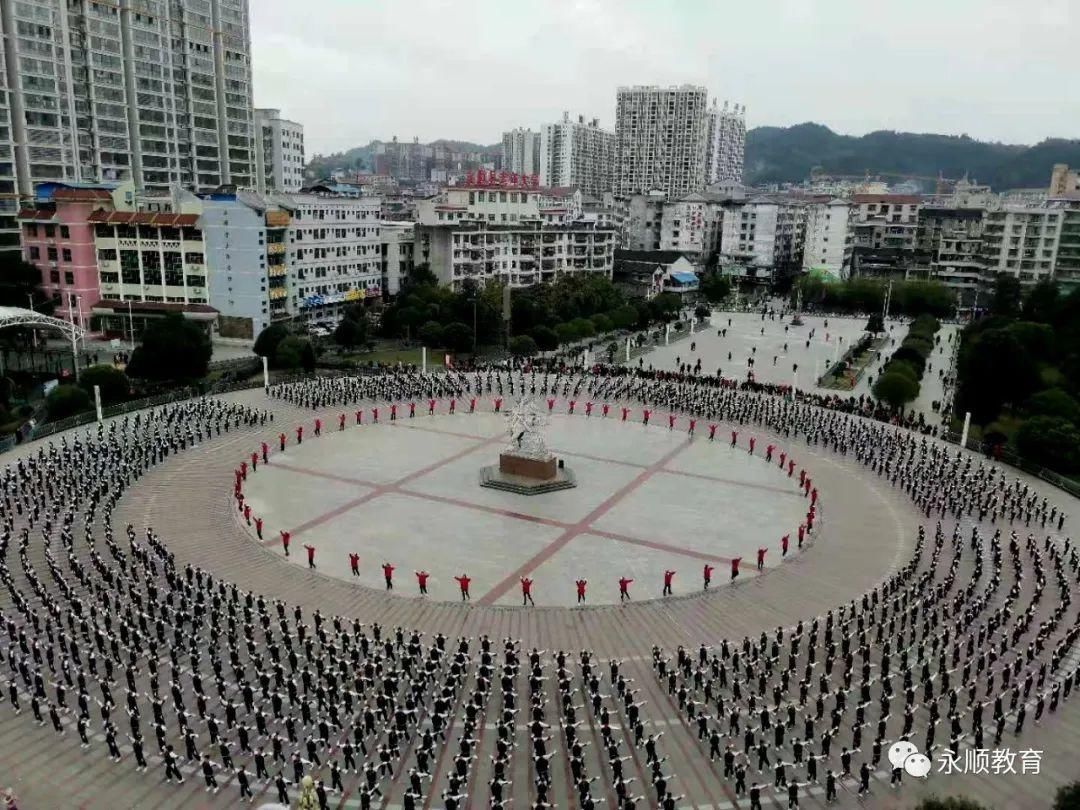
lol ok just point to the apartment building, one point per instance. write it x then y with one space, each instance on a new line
158 91
59 239
762 238
521 151
397 241
691 227
576 153
1064 182
884 230
1067 261
726 144
661 140
644 221
279 152
948 248
828 244
1022 241
498 234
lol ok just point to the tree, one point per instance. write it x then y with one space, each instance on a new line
112 381
1051 441
876 324
20 282
267 342
172 348
1042 302
949 803
895 389
431 334
1054 402
602 323
66 400
457 337
1005 300
716 287
307 355
351 332
994 368
624 317
1067 797
290 352
545 337
522 346
701 312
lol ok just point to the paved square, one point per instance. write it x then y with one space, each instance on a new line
648 499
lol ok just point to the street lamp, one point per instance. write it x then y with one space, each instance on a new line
74 338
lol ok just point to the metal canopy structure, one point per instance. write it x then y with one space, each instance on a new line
17 316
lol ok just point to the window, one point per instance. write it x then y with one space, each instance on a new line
69 278
50 231
35 253
106 255
31 229
65 232
51 253
65 254
54 276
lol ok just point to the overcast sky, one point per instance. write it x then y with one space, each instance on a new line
354 70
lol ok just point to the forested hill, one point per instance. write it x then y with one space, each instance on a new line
788 154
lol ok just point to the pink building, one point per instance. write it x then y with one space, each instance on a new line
58 239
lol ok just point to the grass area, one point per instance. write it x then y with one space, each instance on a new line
393 356
859 364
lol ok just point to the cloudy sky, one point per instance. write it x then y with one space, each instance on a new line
353 70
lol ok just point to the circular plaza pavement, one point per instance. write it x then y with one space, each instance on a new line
648 500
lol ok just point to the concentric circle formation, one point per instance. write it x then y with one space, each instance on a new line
238 658
651 500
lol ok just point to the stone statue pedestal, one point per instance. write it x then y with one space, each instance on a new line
539 469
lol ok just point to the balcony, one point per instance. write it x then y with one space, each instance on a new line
275 248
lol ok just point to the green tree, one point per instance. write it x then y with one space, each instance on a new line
20 282
896 389
624 317
716 287
522 346
567 332
290 352
1054 402
172 348
1005 300
458 337
876 324
1041 304
949 803
994 369
701 311
912 357
351 332
112 381
431 334
307 356
1051 441
66 400
267 342
545 337
1067 797
602 323
1036 338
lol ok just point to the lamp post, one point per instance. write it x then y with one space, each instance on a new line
131 326
33 331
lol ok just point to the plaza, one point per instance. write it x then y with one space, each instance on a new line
649 499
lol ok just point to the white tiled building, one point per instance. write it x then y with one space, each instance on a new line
158 90
727 144
279 152
1022 241
576 153
521 151
661 140
498 234
762 238
827 246
691 226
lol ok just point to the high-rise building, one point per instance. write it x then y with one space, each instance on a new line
155 90
828 244
661 140
279 152
727 144
576 153
521 151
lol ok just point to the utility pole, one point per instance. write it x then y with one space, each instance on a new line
74 339
888 301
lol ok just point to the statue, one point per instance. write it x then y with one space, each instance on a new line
523 425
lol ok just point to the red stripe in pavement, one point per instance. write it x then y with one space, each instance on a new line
479 507
734 483
637 541
410 426
580 527
388 488
344 479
